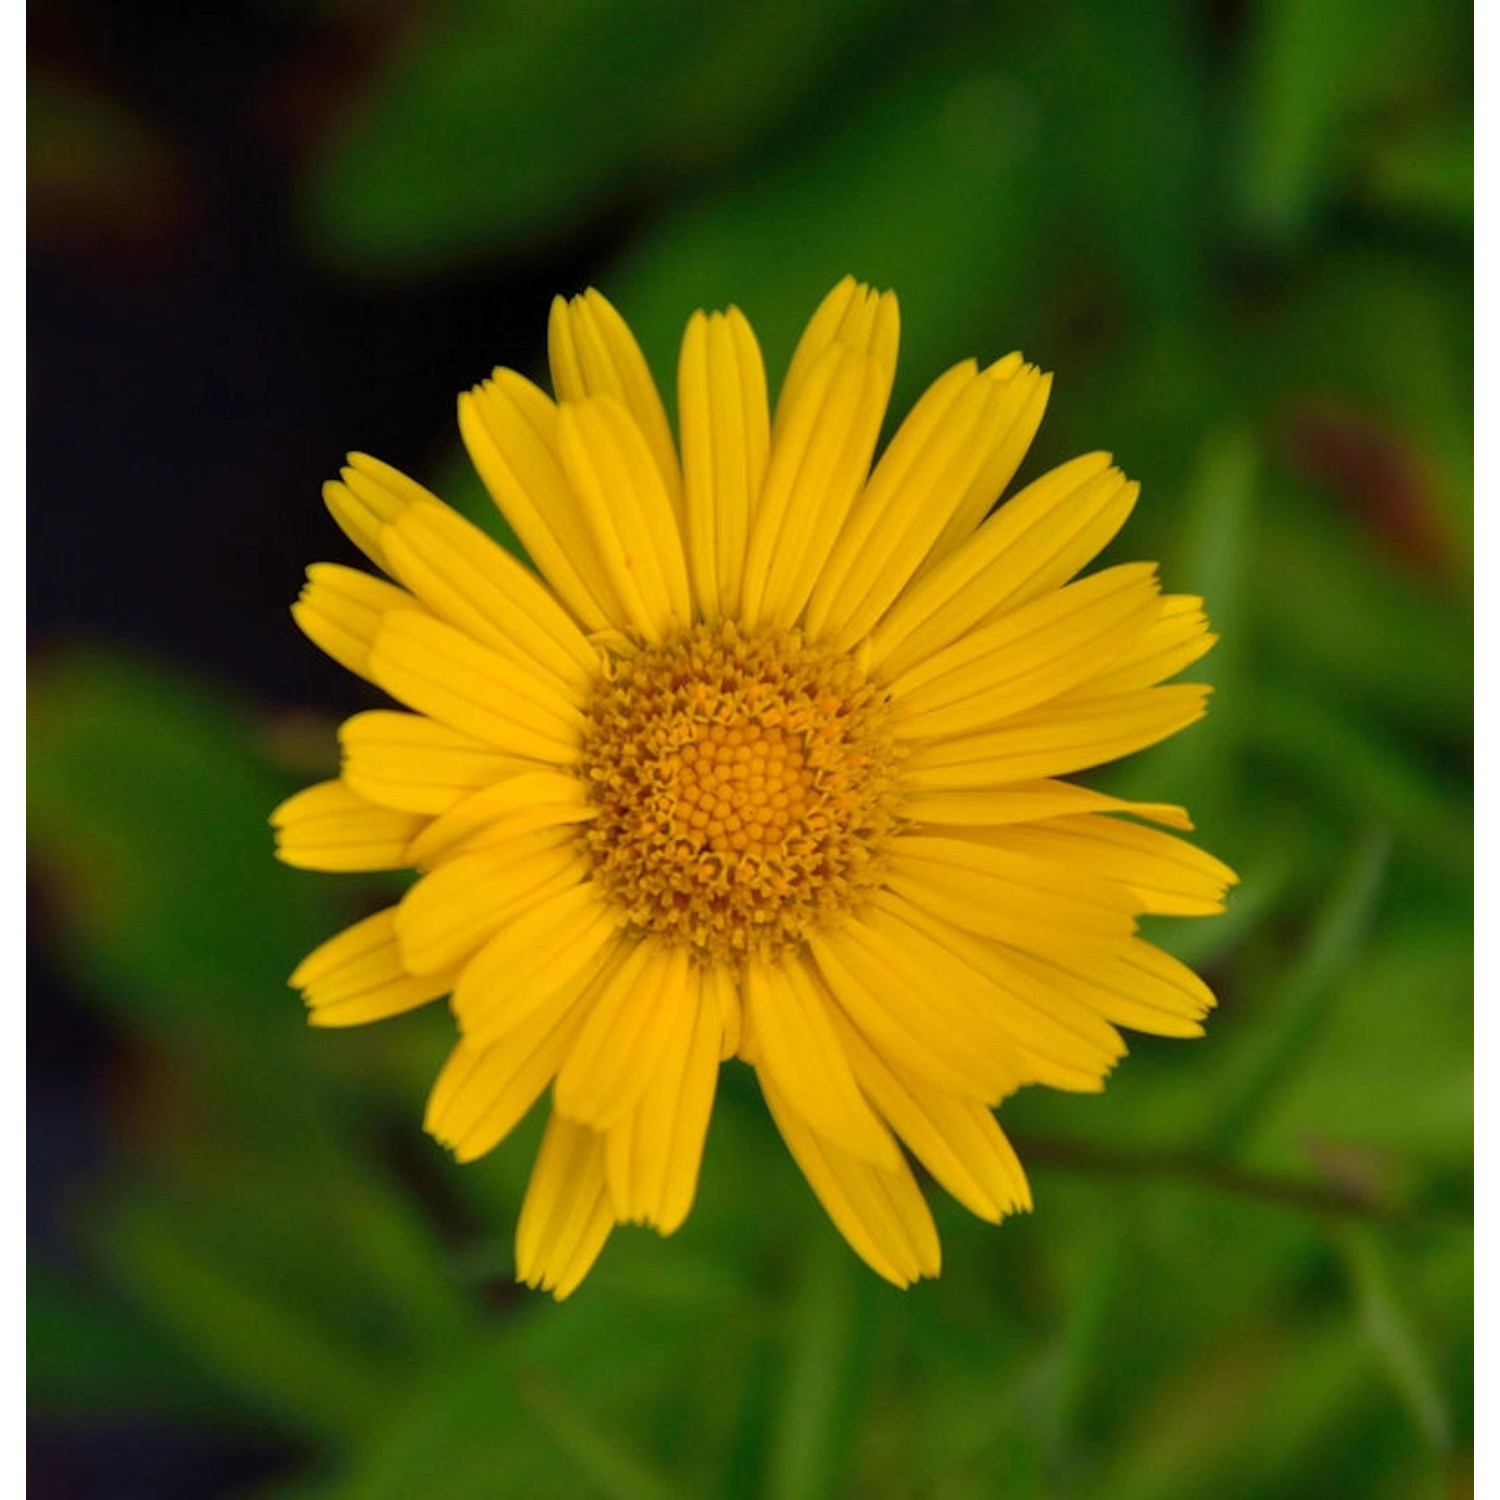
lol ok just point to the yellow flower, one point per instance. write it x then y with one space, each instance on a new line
761 761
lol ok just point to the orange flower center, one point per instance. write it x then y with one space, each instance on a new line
745 788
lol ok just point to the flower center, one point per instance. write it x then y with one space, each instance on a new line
745 789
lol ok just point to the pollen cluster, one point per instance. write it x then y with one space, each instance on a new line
745 789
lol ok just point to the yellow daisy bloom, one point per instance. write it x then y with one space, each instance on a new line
761 761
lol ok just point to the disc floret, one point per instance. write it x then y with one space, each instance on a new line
745 788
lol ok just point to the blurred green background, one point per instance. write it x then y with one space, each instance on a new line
1240 233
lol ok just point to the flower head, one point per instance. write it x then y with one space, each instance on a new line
763 761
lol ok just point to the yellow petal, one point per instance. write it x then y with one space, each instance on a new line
366 495
630 516
510 430
1014 421
1026 802
593 352
942 1036
466 578
1055 739
652 1157
519 804
936 427
945 467
357 976
880 1211
1168 875
1034 543
455 908
440 671
341 611
414 763
330 827
957 1140
544 955
726 433
906 948
853 315
1179 637
819 459
1026 657
797 1048
483 1092
1140 987
1010 894
565 1216
1068 1044
629 1030
721 988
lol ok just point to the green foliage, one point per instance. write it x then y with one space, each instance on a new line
151 801
1249 1270
501 123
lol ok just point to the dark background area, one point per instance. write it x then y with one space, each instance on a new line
193 378
263 234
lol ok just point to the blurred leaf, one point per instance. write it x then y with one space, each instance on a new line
1128 185
1296 1012
1388 338
1362 770
499 124
1427 173
306 1214
1216 530
1202 768
129 1368
918 187
588 1398
148 807
811 1432
1082 1347
1325 599
1241 1421
614 1470
285 1366
1314 71
1388 1326
463 1436
1390 1079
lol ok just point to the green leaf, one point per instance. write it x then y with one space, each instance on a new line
1315 71
1082 1340
1202 767
614 1470
811 1431
1219 525
1388 1325
86 1351
1297 1010
920 187
283 1364
500 125
1246 1418
1365 772
558 1400
1387 1092
1426 173
1127 189
148 805
1324 596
